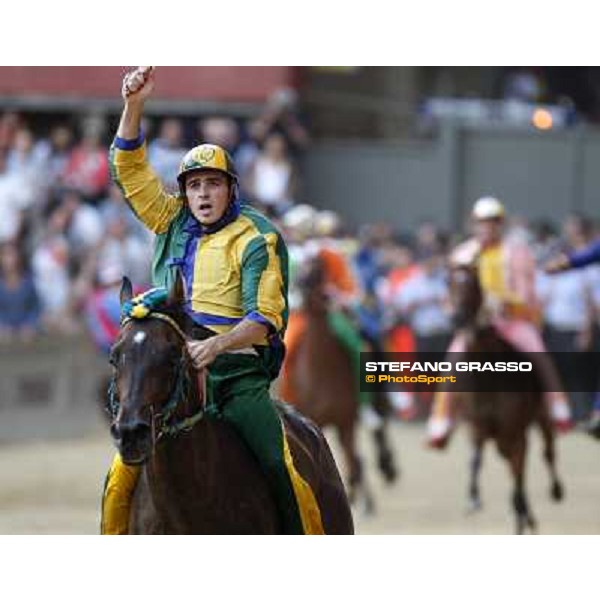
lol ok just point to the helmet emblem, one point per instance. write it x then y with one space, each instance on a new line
205 154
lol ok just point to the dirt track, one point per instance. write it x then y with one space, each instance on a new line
54 487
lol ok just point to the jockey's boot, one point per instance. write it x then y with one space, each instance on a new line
440 424
116 500
560 412
439 430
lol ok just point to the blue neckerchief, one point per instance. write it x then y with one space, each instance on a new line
193 226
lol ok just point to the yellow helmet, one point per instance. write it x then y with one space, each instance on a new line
488 208
206 156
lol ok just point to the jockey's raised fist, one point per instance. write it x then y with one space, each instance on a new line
138 84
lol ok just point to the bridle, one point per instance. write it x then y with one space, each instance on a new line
164 423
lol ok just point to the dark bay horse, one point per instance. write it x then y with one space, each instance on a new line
197 475
326 386
501 416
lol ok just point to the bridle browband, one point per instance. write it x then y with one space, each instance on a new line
163 423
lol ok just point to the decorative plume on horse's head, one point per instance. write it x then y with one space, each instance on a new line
142 305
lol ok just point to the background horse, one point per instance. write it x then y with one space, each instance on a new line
326 386
501 416
197 475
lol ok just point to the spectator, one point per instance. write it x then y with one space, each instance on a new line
166 151
51 270
16 196
115 203
524 85
84 224
87 168
428 239
401 269
424 301
19 303
281 114
546 242
59 149
225 132
25 156
103 308
121 247
9 124
272 178
368 261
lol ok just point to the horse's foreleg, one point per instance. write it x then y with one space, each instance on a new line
475 469
556 487
519 498
385 457
356 478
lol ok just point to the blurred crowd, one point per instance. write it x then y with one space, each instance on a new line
67 234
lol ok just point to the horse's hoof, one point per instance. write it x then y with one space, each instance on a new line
557 492
389 471
474 506
391 476
533 528
369 507
437 443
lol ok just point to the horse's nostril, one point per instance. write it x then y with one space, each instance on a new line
130 432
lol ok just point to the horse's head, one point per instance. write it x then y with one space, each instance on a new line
465 294
153 373
311 283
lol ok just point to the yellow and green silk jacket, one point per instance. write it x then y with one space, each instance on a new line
234 269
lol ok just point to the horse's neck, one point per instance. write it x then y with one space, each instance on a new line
316 316
483 337
165 470
206 481
316 310
181 464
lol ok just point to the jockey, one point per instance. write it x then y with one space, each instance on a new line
313 233
234 263
506 275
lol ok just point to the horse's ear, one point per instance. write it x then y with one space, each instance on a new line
126 293
177 292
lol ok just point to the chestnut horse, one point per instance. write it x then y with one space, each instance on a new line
501 416
326 386
198 476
